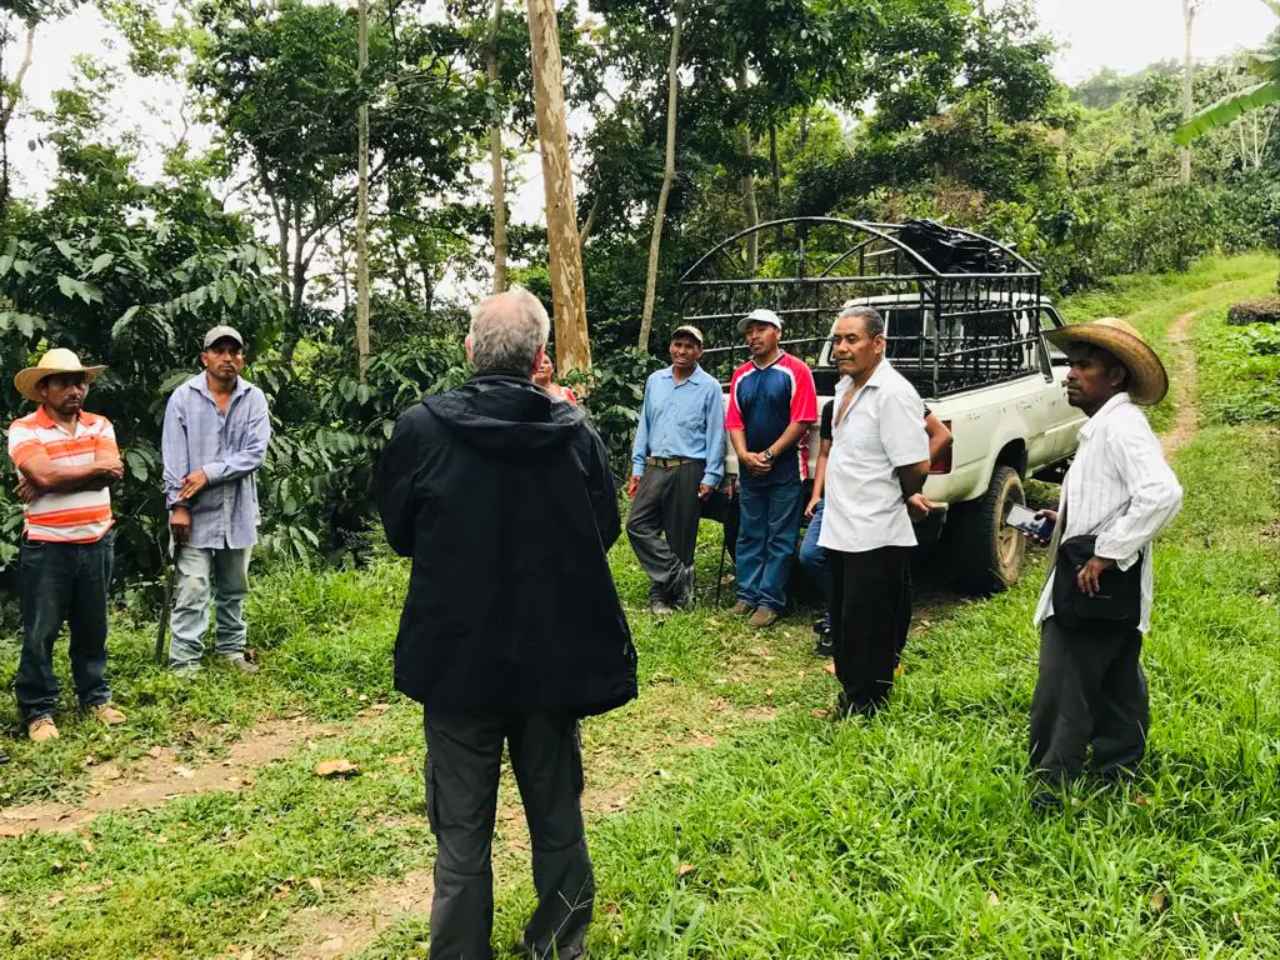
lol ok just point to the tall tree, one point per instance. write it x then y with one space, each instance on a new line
497 174
362 196
1189 10
668 175
568 288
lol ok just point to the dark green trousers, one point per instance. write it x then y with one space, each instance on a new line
1091 693
464 756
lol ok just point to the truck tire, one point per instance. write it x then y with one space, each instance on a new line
987 554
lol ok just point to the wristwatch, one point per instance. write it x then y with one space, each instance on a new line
767 455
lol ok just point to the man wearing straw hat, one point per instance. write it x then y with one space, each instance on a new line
1117 496
66 458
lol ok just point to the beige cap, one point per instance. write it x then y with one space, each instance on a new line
689 329
57 360
1148 382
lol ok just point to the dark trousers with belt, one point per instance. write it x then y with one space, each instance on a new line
1091 692
63 583
464 755
663 524
870 617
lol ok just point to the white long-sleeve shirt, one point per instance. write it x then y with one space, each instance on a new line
1120 489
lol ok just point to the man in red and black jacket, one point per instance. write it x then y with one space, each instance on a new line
772 403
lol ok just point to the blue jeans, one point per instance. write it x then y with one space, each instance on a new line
63 583
769 523
203 573
813 557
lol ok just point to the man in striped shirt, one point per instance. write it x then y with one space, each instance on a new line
66 459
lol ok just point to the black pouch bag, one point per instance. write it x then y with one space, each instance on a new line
1118 601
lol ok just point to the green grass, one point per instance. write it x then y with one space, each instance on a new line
906 836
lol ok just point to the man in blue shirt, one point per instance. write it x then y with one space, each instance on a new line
676 463
216 431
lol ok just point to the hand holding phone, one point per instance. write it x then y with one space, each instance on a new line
1038 525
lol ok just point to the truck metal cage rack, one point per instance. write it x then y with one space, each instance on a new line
961 310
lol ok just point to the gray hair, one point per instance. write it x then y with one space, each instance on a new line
872 322
507 329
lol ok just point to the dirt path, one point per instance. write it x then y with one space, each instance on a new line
669 722
1182 378
160 777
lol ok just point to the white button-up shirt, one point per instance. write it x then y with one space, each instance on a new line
1120 490
883 429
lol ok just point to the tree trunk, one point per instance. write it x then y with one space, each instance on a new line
775 169
568 290
748 179
668 174
10 94
362 203
495 162
1188 17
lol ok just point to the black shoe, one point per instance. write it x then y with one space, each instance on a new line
824 647
822 627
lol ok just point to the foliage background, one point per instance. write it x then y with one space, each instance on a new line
908 108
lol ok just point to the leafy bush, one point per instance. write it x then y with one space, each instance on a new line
1266 310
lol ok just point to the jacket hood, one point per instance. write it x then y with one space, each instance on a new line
503 414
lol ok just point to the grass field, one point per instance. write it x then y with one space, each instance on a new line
726 819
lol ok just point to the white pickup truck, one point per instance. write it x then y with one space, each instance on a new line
1010 423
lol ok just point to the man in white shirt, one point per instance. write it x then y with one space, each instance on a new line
877 466
1091 690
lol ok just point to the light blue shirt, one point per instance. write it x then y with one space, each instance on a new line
229 447
683 419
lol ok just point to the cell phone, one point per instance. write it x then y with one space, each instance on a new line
1026 520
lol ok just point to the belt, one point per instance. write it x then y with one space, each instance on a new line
667 463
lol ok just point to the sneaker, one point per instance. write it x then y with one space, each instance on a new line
238 661
41 729
660 608
824 647
107 713
763 617
742 608
187 671
822 627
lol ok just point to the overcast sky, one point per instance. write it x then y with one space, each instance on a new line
1125 35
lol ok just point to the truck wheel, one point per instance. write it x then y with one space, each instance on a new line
987 554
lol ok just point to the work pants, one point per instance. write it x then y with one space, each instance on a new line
663 525
1091 692
63 583
813 558
769 523
464 754
870 617
203 574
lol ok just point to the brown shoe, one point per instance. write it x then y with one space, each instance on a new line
742 608
106 713
763 617
41 729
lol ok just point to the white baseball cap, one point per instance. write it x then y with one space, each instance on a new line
759 315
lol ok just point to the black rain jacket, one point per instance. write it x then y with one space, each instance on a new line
505 502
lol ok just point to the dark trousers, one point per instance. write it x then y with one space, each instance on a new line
63 583
663 524
870 617
1091 692
464 753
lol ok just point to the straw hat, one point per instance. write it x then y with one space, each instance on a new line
58 360
1148 382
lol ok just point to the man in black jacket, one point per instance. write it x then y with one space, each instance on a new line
511 629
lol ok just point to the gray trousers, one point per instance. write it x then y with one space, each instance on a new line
464 754
663 524
1091 692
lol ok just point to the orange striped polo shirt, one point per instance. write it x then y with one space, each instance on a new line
80 517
